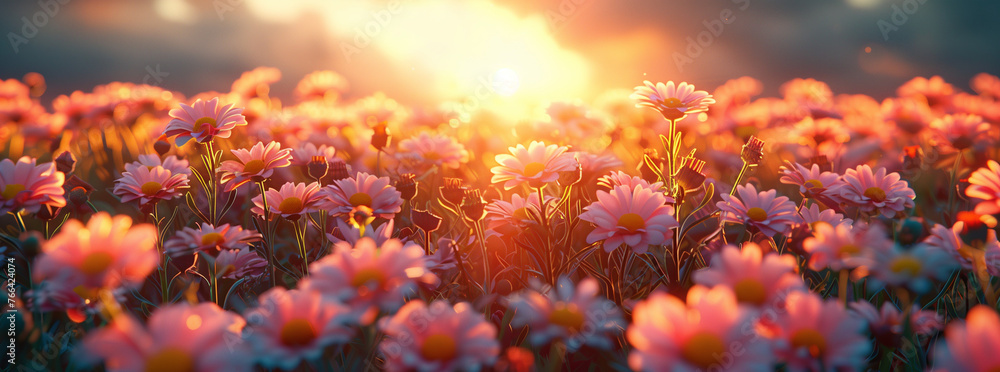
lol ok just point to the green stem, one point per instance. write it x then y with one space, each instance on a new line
953 182
268 239
19 221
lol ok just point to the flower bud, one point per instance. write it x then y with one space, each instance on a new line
380 139
317 167
425 220
453 192
473 206
338 170
753 151
407 186
65 162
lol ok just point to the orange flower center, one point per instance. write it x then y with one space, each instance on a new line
757 214
96 263
439 346
850 250
568 316
750 291
631 221
253 166
151 188
298 332
521 214
810 339
814 184
170 359
371 275
360 199
876 194
703 348
432 156
212 239
906 264
673 102
532 169
11 190
205 121
291 205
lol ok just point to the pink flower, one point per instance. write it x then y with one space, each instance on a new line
971 345
986 84
425 151
811 181
178 337
635 216
321 85
209 239
290 326
888 322
578 316
984 184
254 82
171 163
203 121
843 246
502 216
363 189
950 241
992 255
438 337
812 215
255 164
107 253
959 132
303 154
667 335
150 185
368 277
814 335
674 102
935 90
620 178
756 278
25 185
291 201
537 165
916 268
769 213
876 193
352 235
239 263
810 93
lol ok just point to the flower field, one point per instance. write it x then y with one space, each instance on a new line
665 228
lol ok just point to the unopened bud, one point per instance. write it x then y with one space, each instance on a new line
407 186
317 167
65 162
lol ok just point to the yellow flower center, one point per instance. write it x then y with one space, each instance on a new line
813 184
521 214
703 348
673 102
210 122
439 346
212 239
368 276
151 188
906 264
96 263
11 190
631 221
291 205
532 169
876 194
360 199
253 166
757 214
850 250
298 332
170 359
432 156
567 316
750 291
810 339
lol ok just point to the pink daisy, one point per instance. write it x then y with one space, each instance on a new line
811 181
984 184
813 215
935 90
986 84
255 164
516 214
620 178
916 267
239 263
756 278
150 185
970 345
363 189
426 150
290 326
888 322
950 241
769 213
106 253
537 165
708 333
171 163
352 235
209 239
992 255
876 192
637 217
254 82
810 93
203 121
25 185
291 201
303 154
843 246
438 337
959 131
674 102
910 115
817 335
369 277
178 337
321 85
578 316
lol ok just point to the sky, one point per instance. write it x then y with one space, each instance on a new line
427 51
